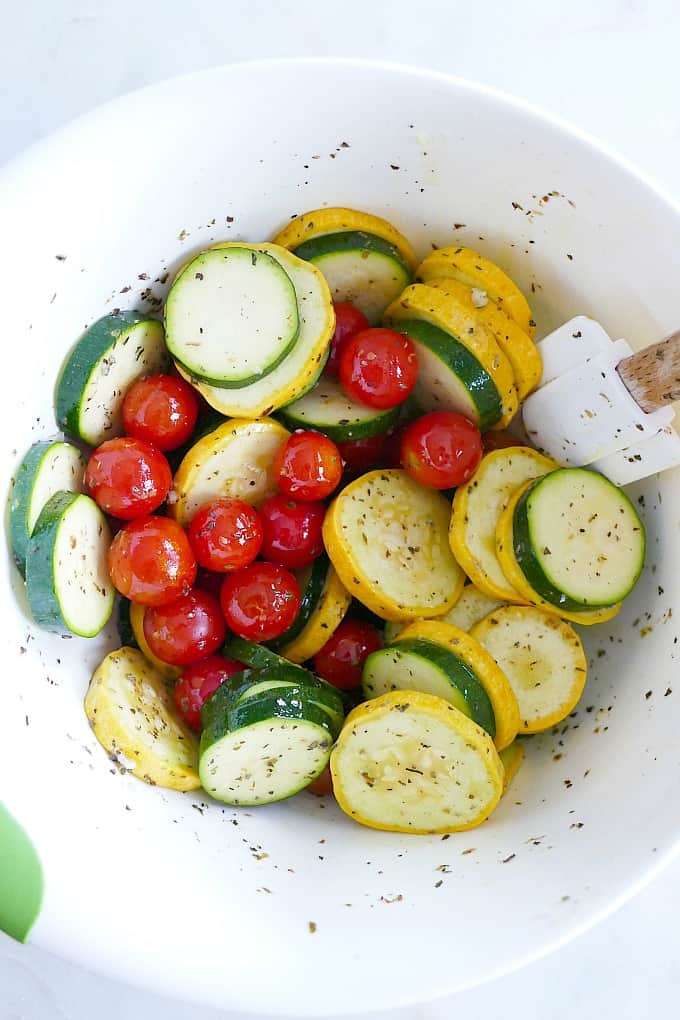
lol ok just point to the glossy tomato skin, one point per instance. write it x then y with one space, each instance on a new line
225 534
151 562
378 367
361 455
348 321
186 630
198 682
341 659
441 450
260 602
128 478
308 466
162 409
292 531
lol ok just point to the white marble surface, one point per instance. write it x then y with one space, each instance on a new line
609 66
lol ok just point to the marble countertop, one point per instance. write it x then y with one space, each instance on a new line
609 66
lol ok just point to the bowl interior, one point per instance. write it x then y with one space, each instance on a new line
202 901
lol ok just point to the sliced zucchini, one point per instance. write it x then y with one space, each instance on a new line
169 672
460 365
323 621
517 345
262 750
481 664
235 460
472 606
328 409
47 468
516 577
478 504
301 367
578 539
387 537
542 657
67 580
411 762
474 270
125 631
419 665
256 656
231 316
133 717
311 582
511 757
114 353
268 684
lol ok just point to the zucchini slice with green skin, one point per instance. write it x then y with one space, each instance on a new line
125 631
47 468
257 656
411 762
511 757
114 353
231 316
311 582
325 618
421 665
263 750
578 540
262 689
67 580
328 409
360 268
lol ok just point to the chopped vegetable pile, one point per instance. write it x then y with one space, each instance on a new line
333 568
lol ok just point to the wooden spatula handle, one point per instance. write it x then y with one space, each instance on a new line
652 376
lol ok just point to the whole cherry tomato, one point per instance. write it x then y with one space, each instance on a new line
500 440
292 531
361 455
128 478
441 450
186 630
342 658
198 682
378 367
161 409
308 466
260 602
225 534
348 321
151 562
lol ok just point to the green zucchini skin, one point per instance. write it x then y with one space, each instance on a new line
461 364
348 241
257 656
308 602
125 631
329 410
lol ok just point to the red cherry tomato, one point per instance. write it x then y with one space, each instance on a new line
361 455
441 450
128 478
292 531
322 786
225 534
348 321
378 367
500 440
151 562
198 682
260 602
308 466
186 630
392 453
162 410
341 659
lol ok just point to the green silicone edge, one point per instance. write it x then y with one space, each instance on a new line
21 879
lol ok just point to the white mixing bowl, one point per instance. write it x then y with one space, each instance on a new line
293 908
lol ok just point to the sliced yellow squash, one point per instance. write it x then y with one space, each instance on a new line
474 270
387 539
169 672
446 313
477 506
515 576
542 657
517 345
472 606
511 757
133 717
490 675
326 617
319 222
235 460
410 762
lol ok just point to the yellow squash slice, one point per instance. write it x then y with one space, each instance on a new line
319 222
472 606
133 717
477 507
169 672
235 460
328 614
511 757
410 762
474 270
387 539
